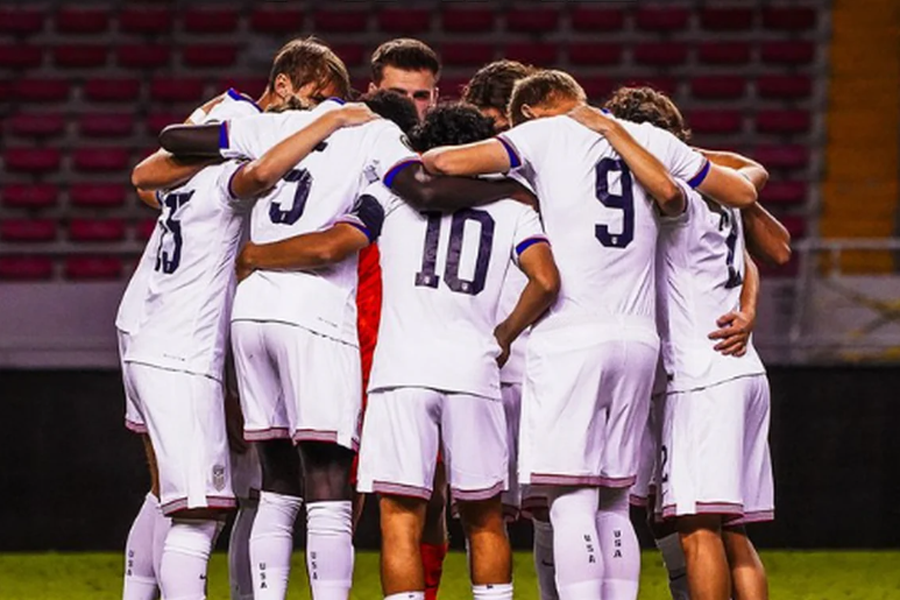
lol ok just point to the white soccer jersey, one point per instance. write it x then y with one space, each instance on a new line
701 268
443 275
514 369
602 224
310 198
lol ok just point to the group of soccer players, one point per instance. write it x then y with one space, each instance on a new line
542 269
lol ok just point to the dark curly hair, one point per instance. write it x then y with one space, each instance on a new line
451 124
394 107
646 105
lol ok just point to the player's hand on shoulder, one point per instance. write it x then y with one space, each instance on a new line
244 265
355 113
734 332
593 118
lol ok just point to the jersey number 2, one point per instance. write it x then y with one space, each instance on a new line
166 261
428 277
623 202
304 182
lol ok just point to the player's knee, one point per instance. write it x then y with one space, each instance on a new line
326 471
280 468
402 519
203 514
482 516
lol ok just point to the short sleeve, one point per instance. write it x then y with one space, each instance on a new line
388 153
529 231
369 210
249 137
681 160
691 199
524 143
223 184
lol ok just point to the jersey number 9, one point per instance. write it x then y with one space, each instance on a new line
623 202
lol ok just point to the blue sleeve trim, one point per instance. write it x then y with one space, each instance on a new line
392 173
361 227
223 135
335 99
700 176
231 179
525 245
236 95
514 161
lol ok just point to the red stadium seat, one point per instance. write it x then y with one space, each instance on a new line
718 88
30 196
341 21
404 20
726 19
666 85
80 56
144 229
211 19
666 54
791 269
783 121
589 18
209 55
93 268
663 20
792 53
724 53
467 54
796 225
157 121
145 19
82 20
252 86
41 90
595 54
106 125
467 20
31 160
597 88
25 268
784 87
37 124
352 54
97 194
545 55
532 20
789 18
143 56
112 90
20 21
98 160
28 230
20 56
269 19
90 230
783 193
451 87
166 89
783 157
715 122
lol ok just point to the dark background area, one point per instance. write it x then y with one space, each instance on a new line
72 477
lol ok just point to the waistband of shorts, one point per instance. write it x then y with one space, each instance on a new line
616 322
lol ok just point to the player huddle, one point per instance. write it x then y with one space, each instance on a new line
543 268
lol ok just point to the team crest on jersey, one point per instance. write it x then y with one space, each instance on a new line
218 476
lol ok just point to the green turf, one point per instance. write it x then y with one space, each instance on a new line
793 576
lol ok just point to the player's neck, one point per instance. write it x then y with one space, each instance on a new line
266 100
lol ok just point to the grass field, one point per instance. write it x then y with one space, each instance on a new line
793 576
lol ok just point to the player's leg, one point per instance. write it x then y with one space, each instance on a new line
434 533
240 574
473 431
576 549
544 565
708 574
748 575
667 540
402 520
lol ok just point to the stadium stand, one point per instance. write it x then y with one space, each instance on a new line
77 114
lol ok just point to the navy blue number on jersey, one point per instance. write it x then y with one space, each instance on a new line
428 276
734 277
623 202
168 259
304 182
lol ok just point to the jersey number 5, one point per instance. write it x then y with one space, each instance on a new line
623 202
304 182
168 259
428 277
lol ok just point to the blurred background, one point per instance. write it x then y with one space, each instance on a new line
807 87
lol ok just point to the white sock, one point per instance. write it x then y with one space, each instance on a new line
406 596
271 544
543 560
619 545
329 549
576 549
673 558
493 591
140 577
239 550
161 528
185 558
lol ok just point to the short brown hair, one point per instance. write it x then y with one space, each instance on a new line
406 54
540 88
307 60
492 85
646 105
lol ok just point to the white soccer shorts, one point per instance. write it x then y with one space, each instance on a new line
511 394
645 484
585 404
403 429
715 452
185 417
133 418
297 384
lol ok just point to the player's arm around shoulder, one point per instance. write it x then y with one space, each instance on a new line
478 158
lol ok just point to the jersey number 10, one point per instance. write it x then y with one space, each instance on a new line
428 277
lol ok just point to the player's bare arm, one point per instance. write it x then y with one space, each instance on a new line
163 170
736 326
424 191
479 158
767 239
307 251
543 286
648 170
